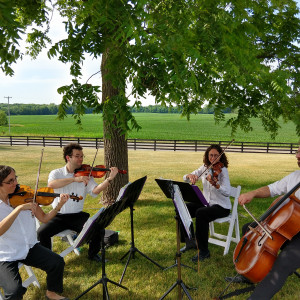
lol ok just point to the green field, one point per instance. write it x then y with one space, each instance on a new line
154 226
154 126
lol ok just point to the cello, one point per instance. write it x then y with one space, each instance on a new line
257 251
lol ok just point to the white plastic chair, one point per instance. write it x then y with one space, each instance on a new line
69 235
31 279
225 240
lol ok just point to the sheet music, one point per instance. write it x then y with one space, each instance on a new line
122 191
87 226
183 212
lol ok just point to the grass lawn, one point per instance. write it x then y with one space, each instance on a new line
154 223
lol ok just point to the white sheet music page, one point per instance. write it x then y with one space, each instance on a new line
183 212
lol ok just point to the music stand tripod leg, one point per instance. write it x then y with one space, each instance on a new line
179 281
133 249
104 278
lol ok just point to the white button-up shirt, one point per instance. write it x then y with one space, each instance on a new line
212 195
76 188
284 185
20 237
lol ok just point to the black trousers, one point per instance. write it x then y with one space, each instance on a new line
38 257
203 216
68 221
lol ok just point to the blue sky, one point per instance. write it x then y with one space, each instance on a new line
36 81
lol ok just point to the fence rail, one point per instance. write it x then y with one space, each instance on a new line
154 145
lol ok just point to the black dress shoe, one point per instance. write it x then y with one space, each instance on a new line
188 246
202 256
96 258
238 279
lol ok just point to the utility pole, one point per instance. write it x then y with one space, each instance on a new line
8 97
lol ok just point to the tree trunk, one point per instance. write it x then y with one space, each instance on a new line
115 143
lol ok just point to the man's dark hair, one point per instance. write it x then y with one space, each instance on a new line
68 149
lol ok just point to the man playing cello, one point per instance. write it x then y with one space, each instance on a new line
288 260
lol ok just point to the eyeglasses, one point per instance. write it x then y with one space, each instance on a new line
11 181
77 156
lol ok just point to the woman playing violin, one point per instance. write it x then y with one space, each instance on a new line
71 216
18 242
216 190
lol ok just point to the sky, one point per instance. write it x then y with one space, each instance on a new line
36 81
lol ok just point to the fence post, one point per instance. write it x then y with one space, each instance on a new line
268 147
196 146
60 142
43 141
11 140
242 147
175 145
154 145
27 141
134 144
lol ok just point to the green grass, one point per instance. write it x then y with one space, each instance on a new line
154 224
154 126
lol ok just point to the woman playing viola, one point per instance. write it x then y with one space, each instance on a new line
18 242
216 190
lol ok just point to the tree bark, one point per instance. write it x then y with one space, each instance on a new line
115 143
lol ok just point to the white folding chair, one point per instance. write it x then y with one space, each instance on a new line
232 219
31 279
69 235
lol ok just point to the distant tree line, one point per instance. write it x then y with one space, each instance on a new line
35 109
52 109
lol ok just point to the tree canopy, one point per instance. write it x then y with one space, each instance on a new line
242 54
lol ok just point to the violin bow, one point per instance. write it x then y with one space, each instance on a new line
210 166
37 179
93 162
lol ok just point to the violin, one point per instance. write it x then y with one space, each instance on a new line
97 171
214 171
44 196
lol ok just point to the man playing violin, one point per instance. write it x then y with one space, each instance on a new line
288 260
216 190
19 244
71 216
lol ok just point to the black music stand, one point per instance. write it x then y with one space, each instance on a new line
130 196
179 205
189 192
100 220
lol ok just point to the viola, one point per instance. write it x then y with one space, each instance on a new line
97 171
215 170
257 251
44 196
